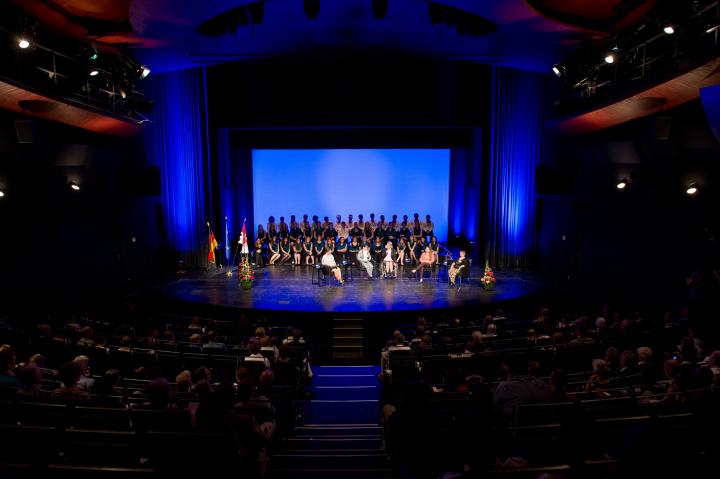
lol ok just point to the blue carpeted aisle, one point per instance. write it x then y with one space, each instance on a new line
341 434
344 395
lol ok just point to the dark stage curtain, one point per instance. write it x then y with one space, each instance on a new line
177 142
514 152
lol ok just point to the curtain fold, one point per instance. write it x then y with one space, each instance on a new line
514 153
176 142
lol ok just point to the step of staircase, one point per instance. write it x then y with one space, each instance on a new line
348 339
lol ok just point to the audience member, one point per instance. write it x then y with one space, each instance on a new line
70 374
86 380
522 389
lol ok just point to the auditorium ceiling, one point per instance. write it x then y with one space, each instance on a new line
530 34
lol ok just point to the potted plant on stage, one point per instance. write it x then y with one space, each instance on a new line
488 277
246 274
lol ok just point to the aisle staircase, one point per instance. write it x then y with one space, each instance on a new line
341 436
348 340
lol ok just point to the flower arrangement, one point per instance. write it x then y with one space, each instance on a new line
246 275
488 277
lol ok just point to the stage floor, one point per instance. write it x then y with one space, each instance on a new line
288 288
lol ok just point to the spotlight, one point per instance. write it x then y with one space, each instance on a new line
312 8
23 43
692 189
669 29
622 184
557 70
379 8
144 71
94 56
610 58
74 186
2 193
94 72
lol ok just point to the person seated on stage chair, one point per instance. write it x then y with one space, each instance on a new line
341 250
273 250
377 249
365 259
435 248
297 252
308 250
259 253
421 244
285 251
427 260
330 267
319 248
460 266
353 250
390 258
401 250
412 250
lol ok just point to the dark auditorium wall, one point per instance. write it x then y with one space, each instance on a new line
59 242
651 233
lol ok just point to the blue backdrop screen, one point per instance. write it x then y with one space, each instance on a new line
332 182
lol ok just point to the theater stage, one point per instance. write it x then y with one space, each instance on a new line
288 288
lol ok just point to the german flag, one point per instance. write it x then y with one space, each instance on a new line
213 245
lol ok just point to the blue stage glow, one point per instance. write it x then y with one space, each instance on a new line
177 144
516 142
332 182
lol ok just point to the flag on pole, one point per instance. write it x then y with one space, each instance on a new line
244 240
213 245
